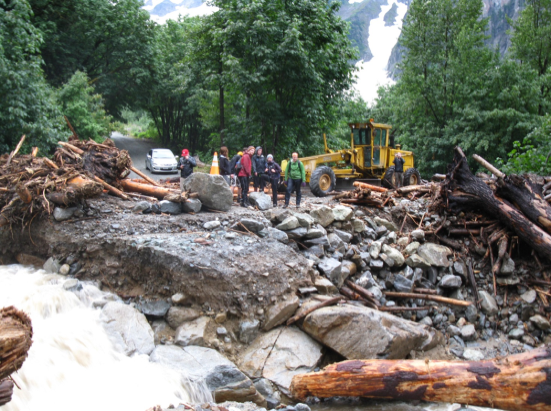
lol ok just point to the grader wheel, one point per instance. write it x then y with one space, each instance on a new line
322 181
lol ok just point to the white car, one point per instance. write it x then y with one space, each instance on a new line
161 160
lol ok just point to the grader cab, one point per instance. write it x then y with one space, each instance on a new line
369 158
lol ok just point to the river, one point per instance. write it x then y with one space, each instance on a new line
72 364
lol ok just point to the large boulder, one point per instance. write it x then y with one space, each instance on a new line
323 216
280 355
127 329
204 366
280 311
434 254
362 333
192 333
213 191
305 220
262 200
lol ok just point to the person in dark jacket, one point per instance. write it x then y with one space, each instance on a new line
398 170
259 166
295 175
225 170
273 170
185 165
244 175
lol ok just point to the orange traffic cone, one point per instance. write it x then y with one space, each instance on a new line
214 168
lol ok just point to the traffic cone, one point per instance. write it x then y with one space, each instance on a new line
214 168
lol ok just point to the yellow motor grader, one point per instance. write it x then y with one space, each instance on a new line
369 159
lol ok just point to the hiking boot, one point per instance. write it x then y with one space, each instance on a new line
275 205
286 205
298 205
243 205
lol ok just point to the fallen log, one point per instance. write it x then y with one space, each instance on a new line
462 190
15 340
410 189
14 152
370 187
517 383
146 178
112 189
430 297
147 189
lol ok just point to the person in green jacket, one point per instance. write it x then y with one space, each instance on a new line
295 175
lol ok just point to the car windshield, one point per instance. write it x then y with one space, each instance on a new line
163 154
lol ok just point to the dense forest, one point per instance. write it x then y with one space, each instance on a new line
275 73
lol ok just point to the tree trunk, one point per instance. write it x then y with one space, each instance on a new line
16 334
147 189
517 383
463 190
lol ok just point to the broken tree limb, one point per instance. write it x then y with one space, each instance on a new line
370 187
142 175
326 303
410 189
462 190
436 298
147 189
112 189
15 340
488 166
14 152
363 292
517 383
71 147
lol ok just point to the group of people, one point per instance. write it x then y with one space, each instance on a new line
249 164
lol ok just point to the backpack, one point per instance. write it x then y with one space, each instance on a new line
235 165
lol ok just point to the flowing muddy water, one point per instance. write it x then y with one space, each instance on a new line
72 364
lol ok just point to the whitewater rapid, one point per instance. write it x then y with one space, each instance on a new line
72 364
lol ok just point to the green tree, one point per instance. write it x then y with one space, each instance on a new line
110 40
28 104
531 45
84 108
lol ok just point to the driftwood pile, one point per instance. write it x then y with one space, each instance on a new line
31 185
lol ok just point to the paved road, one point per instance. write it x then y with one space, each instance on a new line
138 148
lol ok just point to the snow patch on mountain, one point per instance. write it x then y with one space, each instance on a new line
373 74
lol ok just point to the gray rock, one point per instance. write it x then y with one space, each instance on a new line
252 225
460 268
141 206
248 330
192 333
468 332
376 264
212 189
205 366
315 233
411 248
380 231
376 291
342 213
278 235
279 355
344 329
471 354
418 235
324 286
192 205
63 214
366 280
52 265
178 298
541 322
305 220
507 266
344 236
127 329
297 233
336 242
453 330
302 407
450 281
265 387
176 316
64 269
72 285
211 225
529 296
323 241
416 261
395 254
169 207
471 313
488 303
516 333
509 280
434 254
375 249
289 223
392 237
330 267
426 321
359 225
389 225
280 311
323 216
262 200
402 284
154 308
221 331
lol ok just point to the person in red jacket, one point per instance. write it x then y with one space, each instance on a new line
244 175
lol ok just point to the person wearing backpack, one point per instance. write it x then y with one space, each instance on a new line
244 175
295 175
274 173
224 169
234 163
